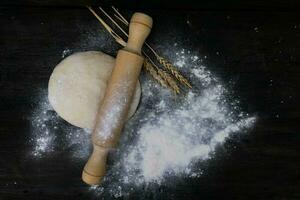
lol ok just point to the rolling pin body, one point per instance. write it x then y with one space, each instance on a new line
119 93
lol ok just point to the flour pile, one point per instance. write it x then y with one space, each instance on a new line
167 136
169 142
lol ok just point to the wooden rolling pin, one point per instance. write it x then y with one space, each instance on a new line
118 96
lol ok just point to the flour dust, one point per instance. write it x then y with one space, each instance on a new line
167 137
49 132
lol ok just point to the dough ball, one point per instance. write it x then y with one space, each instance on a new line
77 85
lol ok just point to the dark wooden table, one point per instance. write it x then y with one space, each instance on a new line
259 50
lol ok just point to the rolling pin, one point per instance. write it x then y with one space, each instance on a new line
118 96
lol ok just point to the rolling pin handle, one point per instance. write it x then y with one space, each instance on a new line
95 169
139 29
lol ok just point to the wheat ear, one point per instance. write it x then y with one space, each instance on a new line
174 71
167 78
149 67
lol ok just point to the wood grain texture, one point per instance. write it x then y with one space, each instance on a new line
249 48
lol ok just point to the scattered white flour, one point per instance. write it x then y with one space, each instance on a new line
46 132
66 53
168 136
43 138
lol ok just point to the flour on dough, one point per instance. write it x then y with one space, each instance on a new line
77 85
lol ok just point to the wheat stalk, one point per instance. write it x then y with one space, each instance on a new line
114 22
174 71
107 27
120 17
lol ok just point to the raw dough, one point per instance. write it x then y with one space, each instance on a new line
78 84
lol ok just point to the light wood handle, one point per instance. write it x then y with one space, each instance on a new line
118 96
95 168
